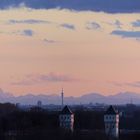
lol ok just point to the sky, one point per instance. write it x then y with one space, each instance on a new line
81 46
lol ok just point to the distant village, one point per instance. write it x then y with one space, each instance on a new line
72 122
111 116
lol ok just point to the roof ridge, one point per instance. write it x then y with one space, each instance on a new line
66 110
111 110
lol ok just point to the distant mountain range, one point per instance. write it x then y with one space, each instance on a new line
120 98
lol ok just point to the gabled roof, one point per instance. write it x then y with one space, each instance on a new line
66 110
111 111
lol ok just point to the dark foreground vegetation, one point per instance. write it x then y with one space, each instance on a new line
39 124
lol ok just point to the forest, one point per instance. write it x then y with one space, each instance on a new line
40 124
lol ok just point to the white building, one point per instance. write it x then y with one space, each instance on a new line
66 119
111 120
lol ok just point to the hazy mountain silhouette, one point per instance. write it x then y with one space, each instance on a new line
120 98
5 95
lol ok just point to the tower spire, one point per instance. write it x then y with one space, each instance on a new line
62 96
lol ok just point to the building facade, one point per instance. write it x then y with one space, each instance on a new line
111 120
66 119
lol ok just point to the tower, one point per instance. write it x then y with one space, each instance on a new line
39 104
66 119
62 97
111 120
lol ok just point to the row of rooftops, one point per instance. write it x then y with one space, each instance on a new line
110 111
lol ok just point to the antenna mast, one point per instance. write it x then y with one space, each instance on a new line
62 96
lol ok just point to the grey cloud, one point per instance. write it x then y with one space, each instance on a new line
116 84
28 21
24 83
42 78
27 32
93 25
118 24
56 78
136 23
138 39
126 34
50 41
68 26
131 84
134 84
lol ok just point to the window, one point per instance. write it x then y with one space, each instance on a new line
106 126
112 126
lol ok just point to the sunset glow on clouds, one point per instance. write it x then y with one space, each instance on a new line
43 50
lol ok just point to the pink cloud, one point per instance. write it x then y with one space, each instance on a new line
42 78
